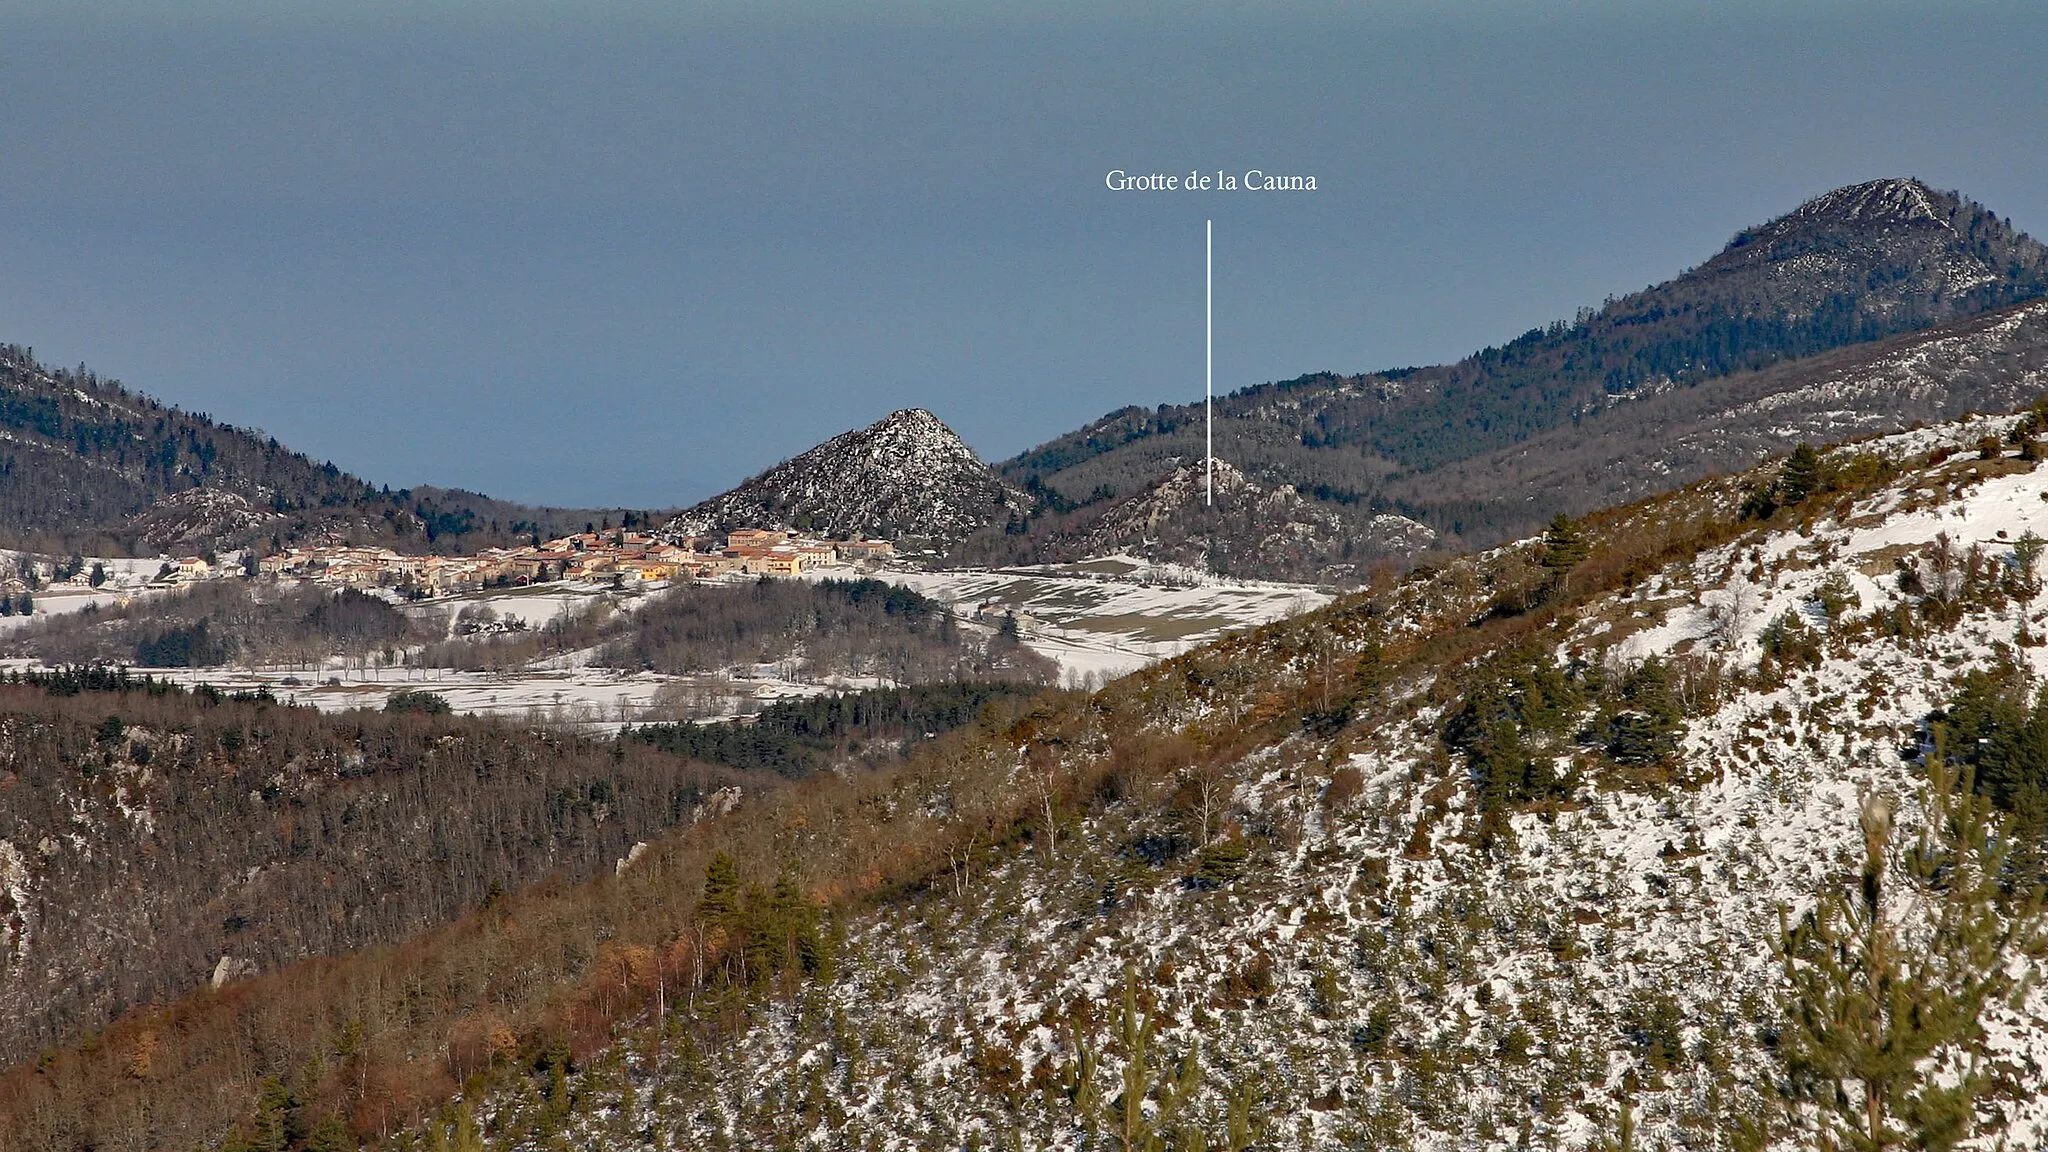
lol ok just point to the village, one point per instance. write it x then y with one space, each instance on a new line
619 557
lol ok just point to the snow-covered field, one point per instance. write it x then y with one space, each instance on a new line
596 698
1099 619
127 577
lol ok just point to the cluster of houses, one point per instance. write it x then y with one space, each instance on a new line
618 557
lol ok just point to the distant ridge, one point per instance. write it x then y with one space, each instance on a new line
87 464
1857 267
905 477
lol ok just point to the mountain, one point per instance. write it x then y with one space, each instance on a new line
1990 363
1849 269
905 477
1569 843
86 464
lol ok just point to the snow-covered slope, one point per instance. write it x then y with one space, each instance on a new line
1102 618
907 476
1375 968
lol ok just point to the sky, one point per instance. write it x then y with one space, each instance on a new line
628 254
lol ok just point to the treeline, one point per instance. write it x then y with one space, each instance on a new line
797 738
805 630
75 679
220 622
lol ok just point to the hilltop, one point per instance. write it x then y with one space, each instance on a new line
905 477
1776 313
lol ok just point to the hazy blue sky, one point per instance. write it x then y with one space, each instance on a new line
613 253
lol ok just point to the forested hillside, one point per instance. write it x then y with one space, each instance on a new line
827 628
1991 363
1599 840
149 836
1848 269
798 738
224 622
88 465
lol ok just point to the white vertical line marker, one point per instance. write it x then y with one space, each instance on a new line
1209 350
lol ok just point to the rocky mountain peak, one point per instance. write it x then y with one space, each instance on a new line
1892 201
913 421
906 476
1899 220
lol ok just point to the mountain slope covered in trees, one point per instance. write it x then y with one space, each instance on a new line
149 836
86 464
1856 266
1489 856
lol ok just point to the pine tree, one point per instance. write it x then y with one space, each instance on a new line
1647 724
1624 1132
331 1135
267 1129
1244 1116
1884 1043
792 924
468 1136
1801 475
2025 582
1222 862
719 906
1563 546
1168 1087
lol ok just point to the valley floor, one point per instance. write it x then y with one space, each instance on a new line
1096 620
